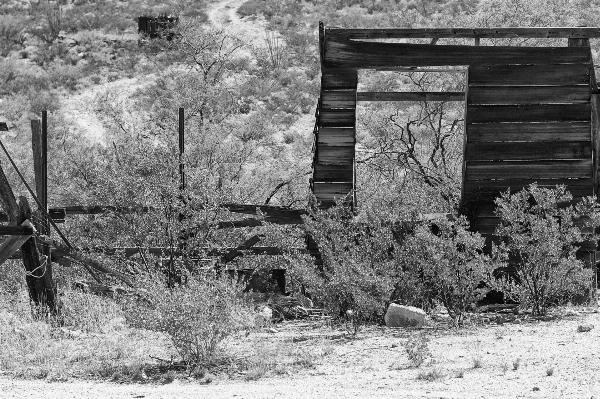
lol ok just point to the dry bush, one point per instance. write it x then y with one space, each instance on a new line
197 316
543 233
447 266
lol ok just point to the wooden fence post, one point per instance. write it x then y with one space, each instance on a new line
39 146
39 283
38 276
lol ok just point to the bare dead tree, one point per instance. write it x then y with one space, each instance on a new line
422 140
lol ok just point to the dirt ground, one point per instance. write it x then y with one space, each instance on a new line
501 355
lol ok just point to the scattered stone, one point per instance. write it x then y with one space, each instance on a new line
267 313
535 389
305 302
404 316
585 327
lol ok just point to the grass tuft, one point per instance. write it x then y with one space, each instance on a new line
431 375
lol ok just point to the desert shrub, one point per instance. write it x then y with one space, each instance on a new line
43 101
541 231
11 33
253 8
447 265
197 316
358 271
64 76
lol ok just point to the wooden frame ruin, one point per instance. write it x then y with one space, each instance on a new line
531 113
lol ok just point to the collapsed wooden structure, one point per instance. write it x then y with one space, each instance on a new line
531 113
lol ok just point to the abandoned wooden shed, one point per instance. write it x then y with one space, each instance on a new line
531 113
159 26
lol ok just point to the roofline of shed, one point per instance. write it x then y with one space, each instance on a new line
521 32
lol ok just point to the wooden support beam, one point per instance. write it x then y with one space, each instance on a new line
164 251
24 230
61 250
410 96
280 212
11 245
358 54
248 222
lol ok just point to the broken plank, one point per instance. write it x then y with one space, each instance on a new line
11 245
234 253
61 250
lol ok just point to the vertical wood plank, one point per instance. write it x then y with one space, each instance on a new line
39 146
38 276
38 165
7 199
464 149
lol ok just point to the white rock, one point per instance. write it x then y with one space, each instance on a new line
404 316
267 313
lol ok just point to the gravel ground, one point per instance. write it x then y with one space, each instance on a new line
505 357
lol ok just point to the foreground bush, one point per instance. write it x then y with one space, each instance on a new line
197 316
358 271
541 232
447 266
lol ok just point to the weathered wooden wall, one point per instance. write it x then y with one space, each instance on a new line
531 112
